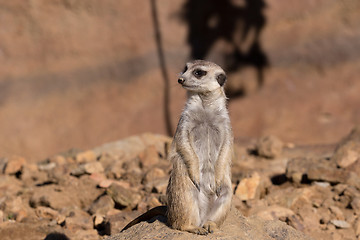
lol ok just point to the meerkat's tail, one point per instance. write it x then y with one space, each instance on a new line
160 210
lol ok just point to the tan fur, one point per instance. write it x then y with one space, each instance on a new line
199 190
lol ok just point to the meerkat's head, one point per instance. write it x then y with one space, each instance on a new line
202 76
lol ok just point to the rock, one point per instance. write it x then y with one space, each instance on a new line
84 157
357 228
88 168
355 204
77 219
15 207
55 198
93 167
123 197
116 170
45 212
21 215
149 157
345 156
14 165
353 180
157 185
273 212
58 159
316 170
102 205
340 224
339 215
269 146
153 174
348 151
129 148
106 183
98 219
235 227
102 225
249 188
46 166
97 177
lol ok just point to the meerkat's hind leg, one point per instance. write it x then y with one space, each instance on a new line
221 207
210 226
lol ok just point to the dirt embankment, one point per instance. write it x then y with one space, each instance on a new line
77 74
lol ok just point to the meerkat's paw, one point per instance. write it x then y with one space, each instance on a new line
210 226
196 230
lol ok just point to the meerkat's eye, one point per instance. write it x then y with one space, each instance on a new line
198 73
185 69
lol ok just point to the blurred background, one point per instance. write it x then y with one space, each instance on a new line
79 73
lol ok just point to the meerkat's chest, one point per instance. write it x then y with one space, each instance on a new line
206 136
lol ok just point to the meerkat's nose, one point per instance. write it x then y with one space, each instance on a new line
181 80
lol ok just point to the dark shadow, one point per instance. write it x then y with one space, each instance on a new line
279 179
239 25
56 236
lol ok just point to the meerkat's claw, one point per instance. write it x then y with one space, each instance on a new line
197 185
218 191
210 226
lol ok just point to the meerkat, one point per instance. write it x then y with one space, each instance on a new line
199 189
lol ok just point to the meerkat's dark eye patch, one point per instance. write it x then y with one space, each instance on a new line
185 69
221 79
198 73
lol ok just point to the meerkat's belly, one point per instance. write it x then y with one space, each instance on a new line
206 142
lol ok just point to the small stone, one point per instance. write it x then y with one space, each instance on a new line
345 157
274 212
98 219
322 184
153 202
102 225
269 146
340 224
153 174
339 215
46 212
87 156
77 220
102 205
149 157
357 228
355 204
93 167
88 168
157 185
106 183
122 196
58 159
249 188
348 151
46 166
97 177
14 165
21 215
60 219
1 216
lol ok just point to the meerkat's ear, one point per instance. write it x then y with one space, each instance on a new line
221 79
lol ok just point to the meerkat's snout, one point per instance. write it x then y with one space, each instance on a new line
181 80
